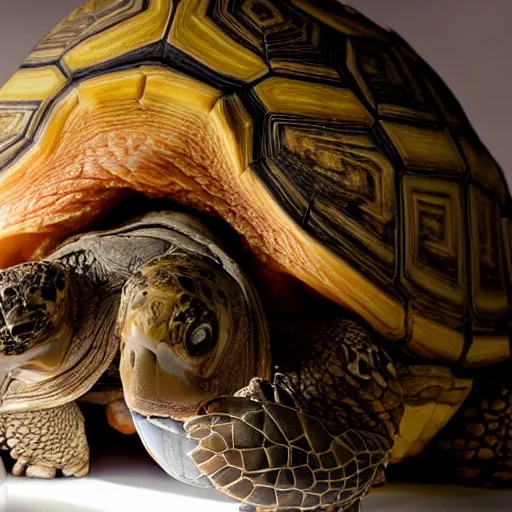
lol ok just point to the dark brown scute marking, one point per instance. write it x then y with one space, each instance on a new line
245 438
381 67
202 456
301 443
304 477
292 498
322 475
255 459
328 460
286 479
278 455
258 421
283 36
310 500
272 433
287 421
213 465
226 475
313 461
225 430
268 478
319 487
234 458
214 442
264 496
241 489
298 457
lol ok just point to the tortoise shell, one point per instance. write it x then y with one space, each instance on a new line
324 140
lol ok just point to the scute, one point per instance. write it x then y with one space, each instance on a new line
335 131
88 19
14 122
199 36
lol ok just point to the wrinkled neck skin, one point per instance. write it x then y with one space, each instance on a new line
51 357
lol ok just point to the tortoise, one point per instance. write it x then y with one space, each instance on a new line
371 218
58 338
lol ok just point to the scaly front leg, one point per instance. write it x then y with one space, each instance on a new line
261 450
319 437
45 441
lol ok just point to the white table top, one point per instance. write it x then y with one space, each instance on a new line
124 478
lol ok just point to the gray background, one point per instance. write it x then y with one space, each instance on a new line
468 42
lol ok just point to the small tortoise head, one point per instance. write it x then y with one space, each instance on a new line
34 312
185 327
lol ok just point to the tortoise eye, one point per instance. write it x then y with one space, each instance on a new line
201 340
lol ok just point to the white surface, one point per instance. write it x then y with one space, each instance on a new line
126 479
3 487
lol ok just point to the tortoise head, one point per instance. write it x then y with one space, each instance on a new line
35 316
186 333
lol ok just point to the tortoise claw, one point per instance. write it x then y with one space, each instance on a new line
280 391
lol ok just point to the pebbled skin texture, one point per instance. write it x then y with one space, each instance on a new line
42 442
342 374
476 446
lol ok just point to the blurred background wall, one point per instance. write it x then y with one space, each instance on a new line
469 43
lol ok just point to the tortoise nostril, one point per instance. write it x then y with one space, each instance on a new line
132 358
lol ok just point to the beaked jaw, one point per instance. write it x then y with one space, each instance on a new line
155 380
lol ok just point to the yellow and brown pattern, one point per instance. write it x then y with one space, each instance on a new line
328 128
87 20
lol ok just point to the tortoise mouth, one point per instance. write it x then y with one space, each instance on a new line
154 381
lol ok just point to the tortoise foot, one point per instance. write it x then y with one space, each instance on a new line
43 442
476 446
273 457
